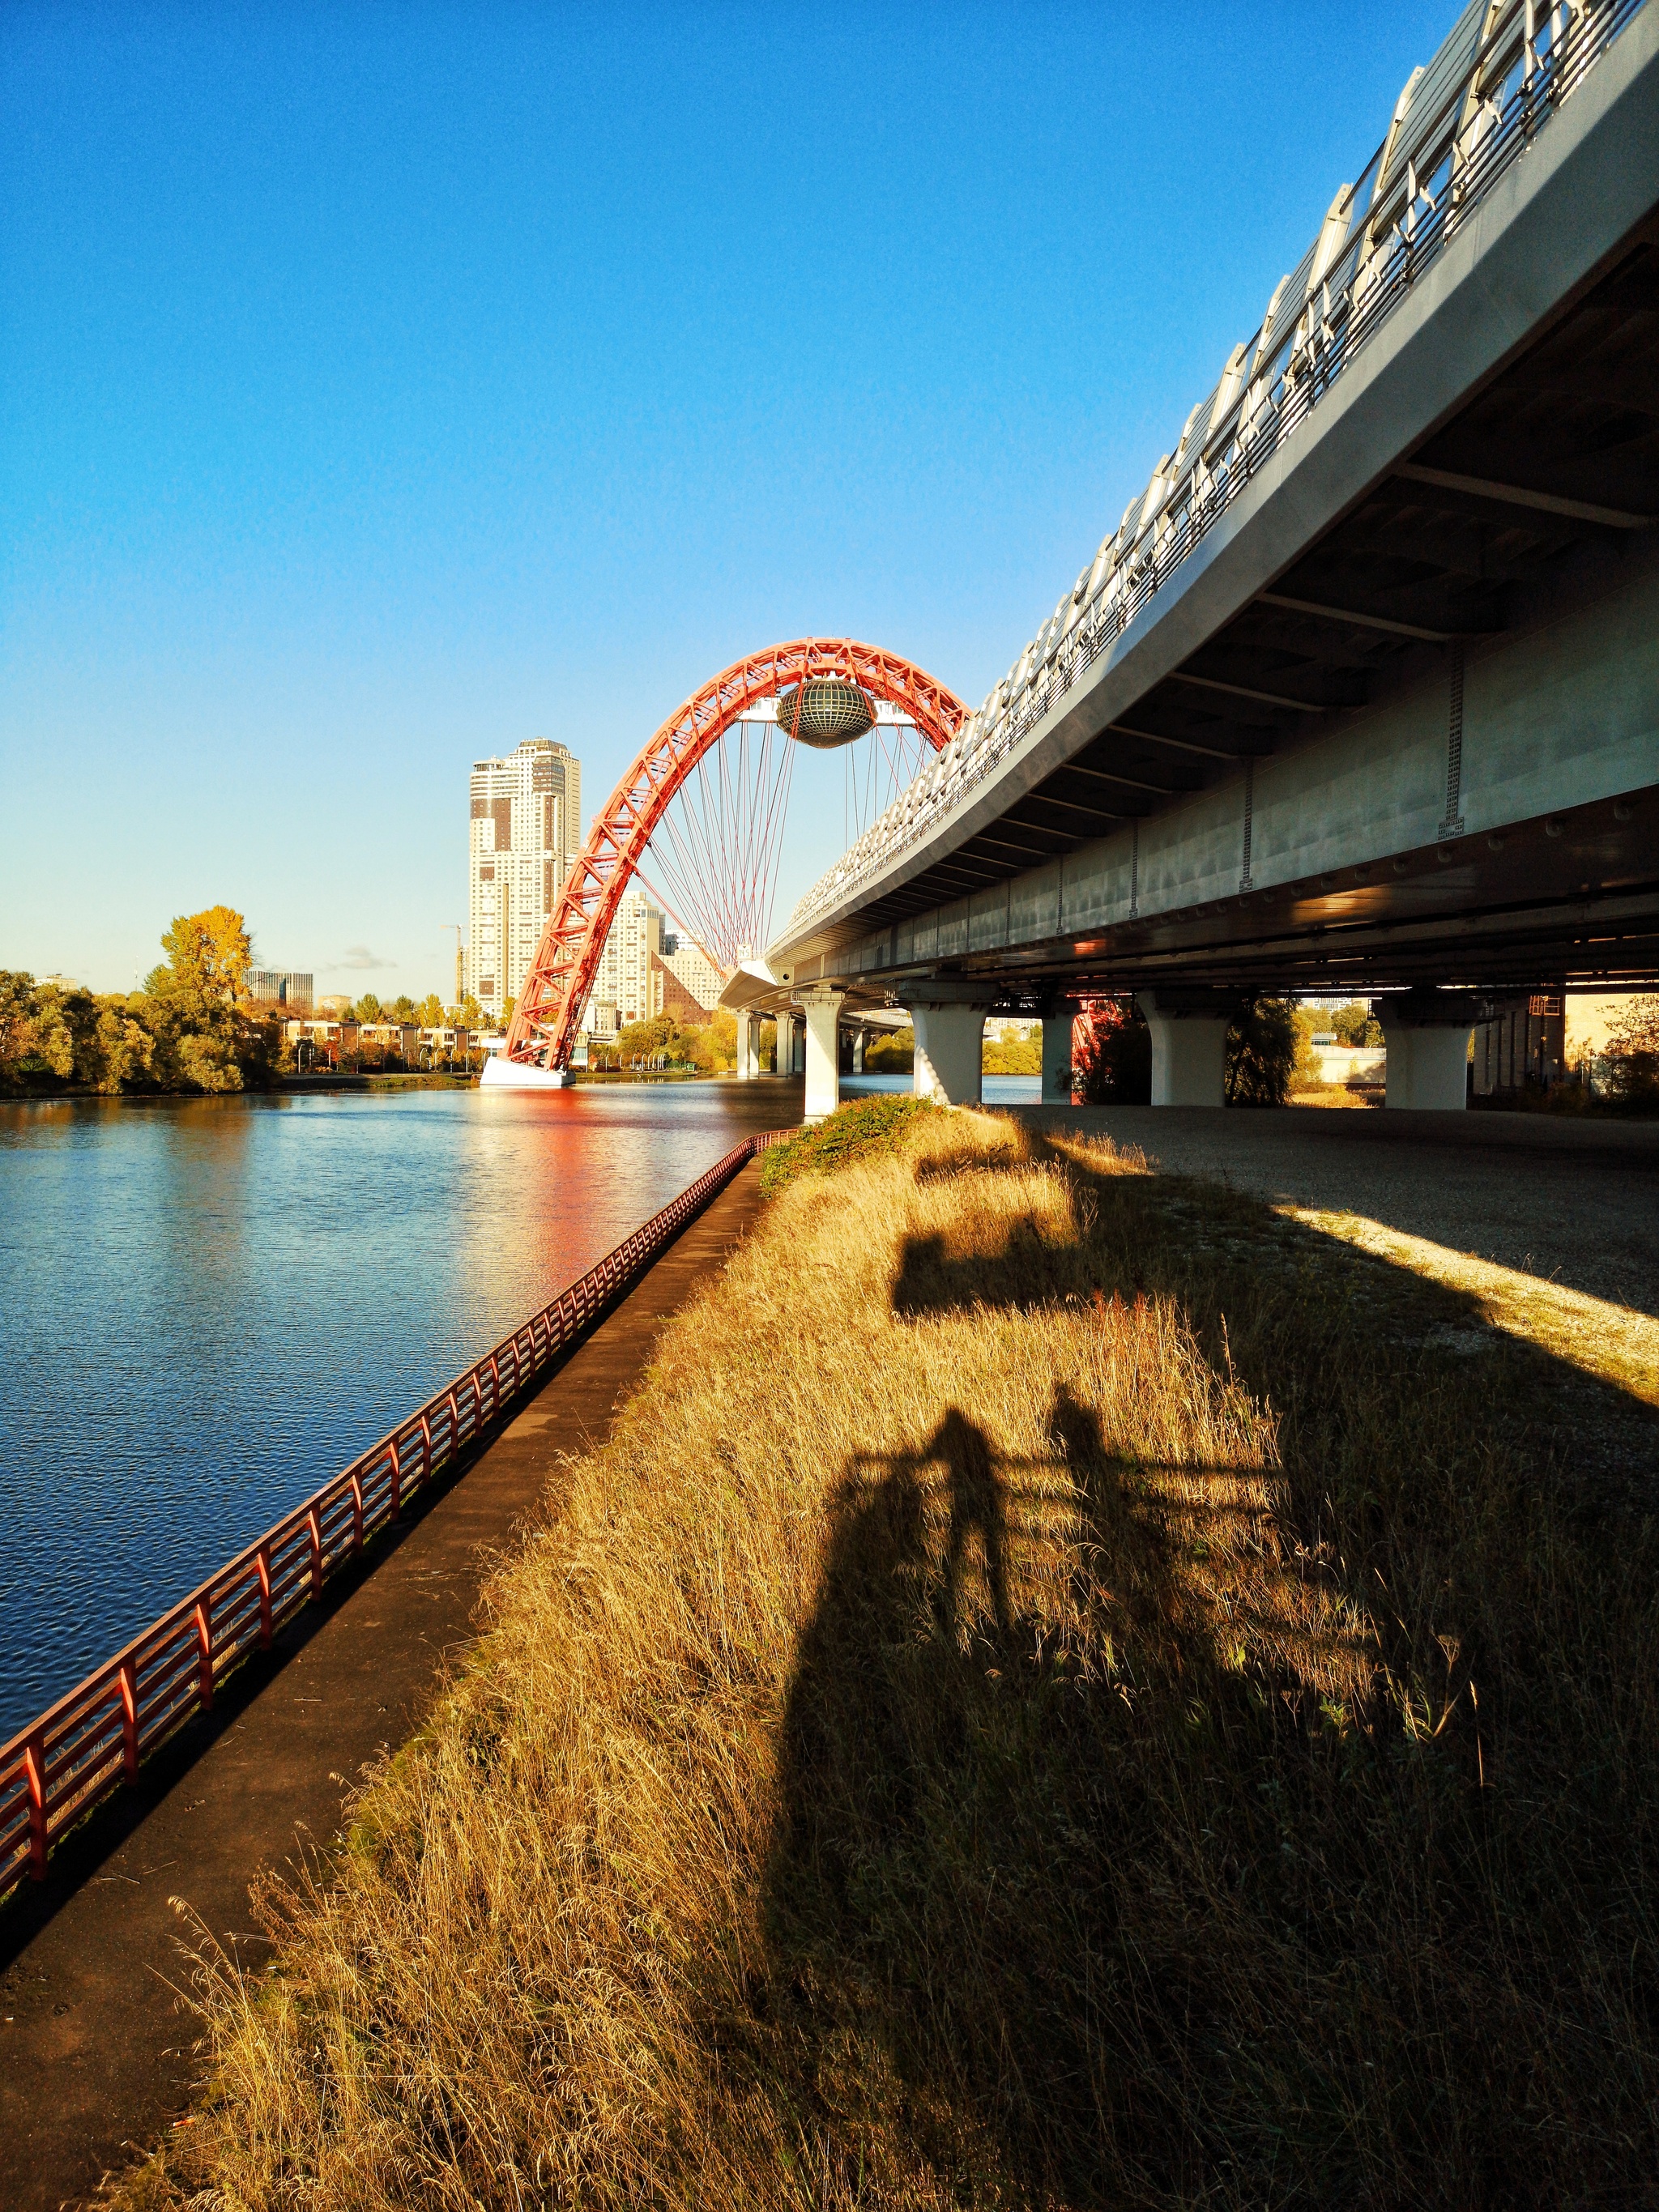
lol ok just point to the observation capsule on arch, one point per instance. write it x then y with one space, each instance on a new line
824 712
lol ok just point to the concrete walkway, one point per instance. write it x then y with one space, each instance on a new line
95 2048
1572 1202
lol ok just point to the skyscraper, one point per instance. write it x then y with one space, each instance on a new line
526 830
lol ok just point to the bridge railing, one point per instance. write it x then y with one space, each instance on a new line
83 1748
1302 347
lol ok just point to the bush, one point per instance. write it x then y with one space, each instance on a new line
858 1131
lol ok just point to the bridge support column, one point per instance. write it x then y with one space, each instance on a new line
1427 1036
858 1052
822 1008
1190 1045
1057 1022
948 1012
746 1028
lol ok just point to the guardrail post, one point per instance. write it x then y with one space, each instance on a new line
204 1654
357 1512
426 1448
396 1476
263 1563
34 1775
128 1720
316 1553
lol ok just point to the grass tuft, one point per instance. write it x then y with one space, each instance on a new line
1059 1690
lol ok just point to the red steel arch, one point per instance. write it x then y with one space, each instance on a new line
568 958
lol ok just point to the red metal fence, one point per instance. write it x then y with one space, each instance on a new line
90 1741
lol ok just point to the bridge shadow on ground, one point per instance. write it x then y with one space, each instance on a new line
1153 1830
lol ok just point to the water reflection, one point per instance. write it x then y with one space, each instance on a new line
207 1306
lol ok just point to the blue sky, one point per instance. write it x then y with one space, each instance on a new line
382 385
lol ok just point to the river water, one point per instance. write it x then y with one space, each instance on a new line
209 1306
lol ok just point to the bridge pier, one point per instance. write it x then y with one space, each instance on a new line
858 1052
747 1029
822 1008
1427 1035
948 1012
1190 1045
1057 1022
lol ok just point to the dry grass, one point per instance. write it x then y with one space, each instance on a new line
1157 1730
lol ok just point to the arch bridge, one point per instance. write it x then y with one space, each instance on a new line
562 975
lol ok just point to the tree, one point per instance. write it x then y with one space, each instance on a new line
430 1011
892 1052
506 1012
368 1008
127 1048
1637 1028
1354 1025
1261 1055
642 1039
1112 1054
1632 1057
468 1014
1018 1051
403 1008
16 1022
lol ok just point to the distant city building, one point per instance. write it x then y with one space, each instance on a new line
57 983
526 830
280 986
629 986
695 972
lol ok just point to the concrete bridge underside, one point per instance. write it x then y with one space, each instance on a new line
1393 727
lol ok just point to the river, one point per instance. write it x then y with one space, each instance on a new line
207 1306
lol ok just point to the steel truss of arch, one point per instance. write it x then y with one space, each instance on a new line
567 960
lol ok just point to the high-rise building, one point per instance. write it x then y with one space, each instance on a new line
280 986
628 978
526 830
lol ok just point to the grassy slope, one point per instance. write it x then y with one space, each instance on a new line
1062 1688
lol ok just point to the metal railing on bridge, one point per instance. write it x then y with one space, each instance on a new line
1459 125
84 1746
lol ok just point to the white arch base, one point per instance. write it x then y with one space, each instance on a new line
500 1074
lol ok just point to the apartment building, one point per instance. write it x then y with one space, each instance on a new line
524 831
692 968
627 987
